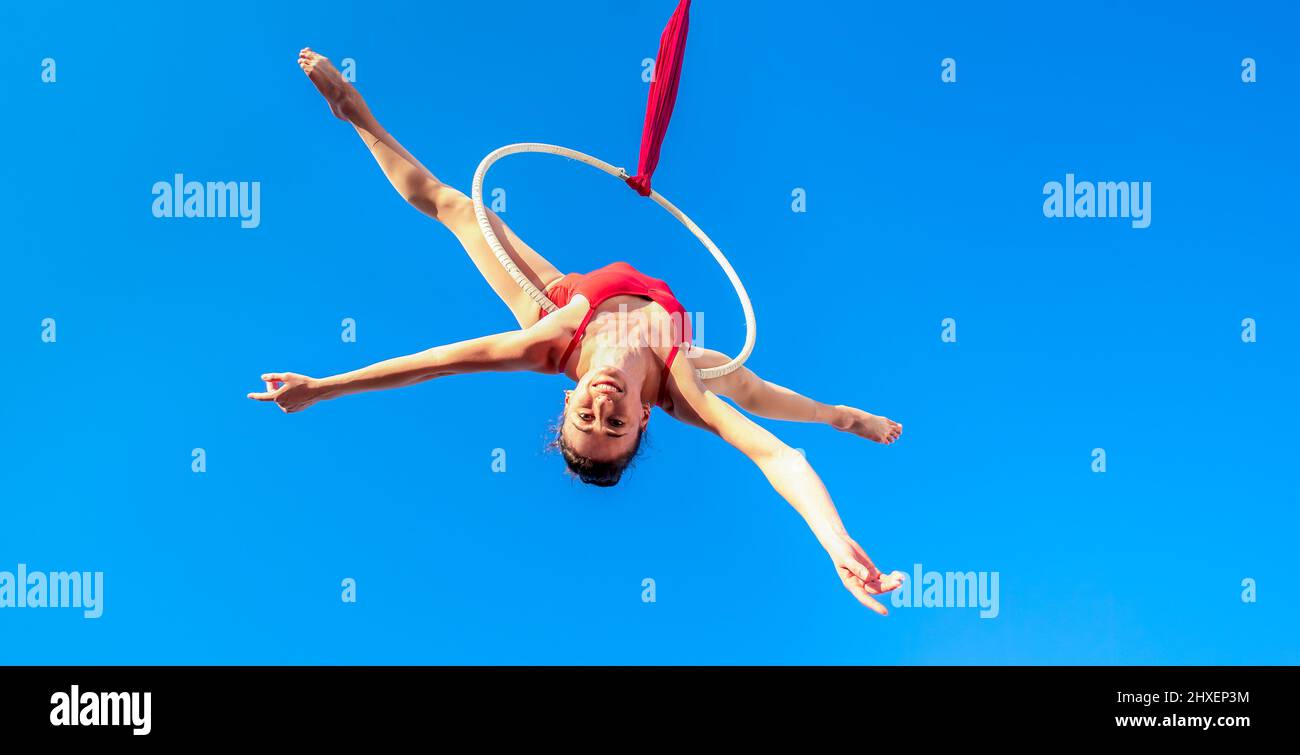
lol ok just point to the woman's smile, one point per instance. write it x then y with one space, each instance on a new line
608 380
606 386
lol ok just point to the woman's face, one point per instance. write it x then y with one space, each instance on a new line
604 415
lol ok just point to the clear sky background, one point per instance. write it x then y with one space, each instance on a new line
924 201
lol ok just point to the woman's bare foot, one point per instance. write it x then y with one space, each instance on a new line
342 97
866 425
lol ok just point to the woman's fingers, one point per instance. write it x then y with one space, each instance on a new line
863 579
860 593
857 570
272 390
880 586
893 579
285 389
882 583
859 581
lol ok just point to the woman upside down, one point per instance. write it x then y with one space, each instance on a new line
607 336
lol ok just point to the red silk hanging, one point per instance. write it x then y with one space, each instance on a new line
663 95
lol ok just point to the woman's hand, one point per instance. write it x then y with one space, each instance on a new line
859 575
290 391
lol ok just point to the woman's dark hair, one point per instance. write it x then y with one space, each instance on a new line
605 474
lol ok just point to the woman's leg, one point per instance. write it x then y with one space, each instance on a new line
425 192
764 399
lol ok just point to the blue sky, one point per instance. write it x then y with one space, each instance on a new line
924 202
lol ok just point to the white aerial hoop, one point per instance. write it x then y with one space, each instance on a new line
476 194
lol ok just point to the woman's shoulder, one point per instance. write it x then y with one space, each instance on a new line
681 380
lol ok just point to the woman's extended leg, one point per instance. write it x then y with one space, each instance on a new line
425 192
757 396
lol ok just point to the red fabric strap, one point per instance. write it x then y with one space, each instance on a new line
577 337
663 95
582 330
663 384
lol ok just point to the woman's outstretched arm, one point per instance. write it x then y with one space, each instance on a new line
767 399
532 349
793 478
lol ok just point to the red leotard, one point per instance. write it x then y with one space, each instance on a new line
619 279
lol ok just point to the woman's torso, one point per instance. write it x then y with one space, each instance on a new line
623 304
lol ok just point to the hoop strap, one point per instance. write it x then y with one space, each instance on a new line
577 337
663 95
